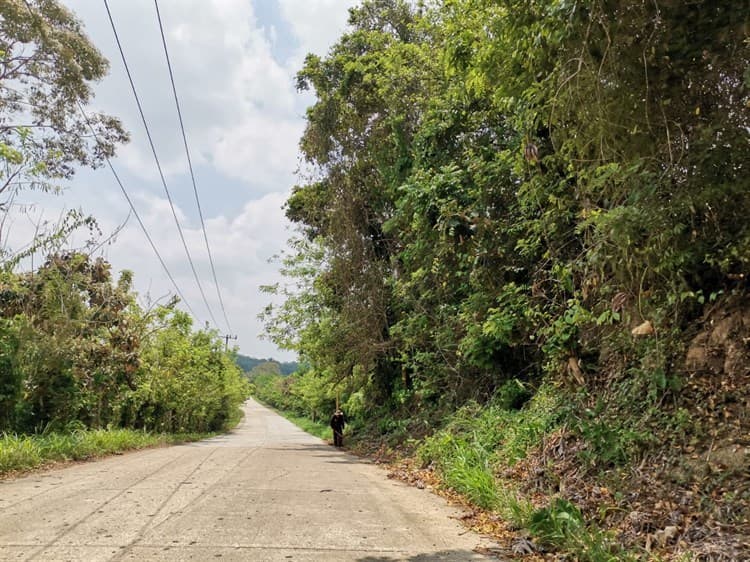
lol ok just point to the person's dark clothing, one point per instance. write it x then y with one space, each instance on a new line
338 421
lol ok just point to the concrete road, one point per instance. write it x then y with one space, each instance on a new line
267 491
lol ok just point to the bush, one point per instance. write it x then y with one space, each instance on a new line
187 383
561 525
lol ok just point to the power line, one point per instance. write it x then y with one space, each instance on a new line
190 164
158 164
137 216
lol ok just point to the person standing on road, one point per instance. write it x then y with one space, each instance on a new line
338 421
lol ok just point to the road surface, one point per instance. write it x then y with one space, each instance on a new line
266 491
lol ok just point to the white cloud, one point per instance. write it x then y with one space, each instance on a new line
243 121
241 248
226 77
263 154
316 23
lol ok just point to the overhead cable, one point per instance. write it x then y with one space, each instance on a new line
190 164
156 159
137 216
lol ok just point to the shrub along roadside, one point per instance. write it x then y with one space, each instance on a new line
76 350
19 453
479 443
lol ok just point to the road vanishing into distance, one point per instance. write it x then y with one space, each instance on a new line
266 491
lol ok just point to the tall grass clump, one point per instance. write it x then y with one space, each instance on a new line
523 429
18 453
561 525
464 466
501 431
479 440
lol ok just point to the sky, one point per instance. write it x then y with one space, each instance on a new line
234 63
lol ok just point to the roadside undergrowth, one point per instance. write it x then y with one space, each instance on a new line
647 461
644 458
22 453
472 454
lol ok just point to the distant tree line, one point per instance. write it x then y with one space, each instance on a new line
247 364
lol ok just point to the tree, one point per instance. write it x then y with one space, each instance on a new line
77 348
357 142
186 381
47 68
498 189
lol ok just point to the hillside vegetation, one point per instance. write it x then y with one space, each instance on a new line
248 364
523 261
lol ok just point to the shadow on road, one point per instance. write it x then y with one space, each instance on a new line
306 448
443 556
320 448
335 456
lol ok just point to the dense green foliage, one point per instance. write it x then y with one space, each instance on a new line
503 190
79 352
76 349
544 193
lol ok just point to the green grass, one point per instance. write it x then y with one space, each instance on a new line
479 441
561 525
20 453
491 435
317 428
464 465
